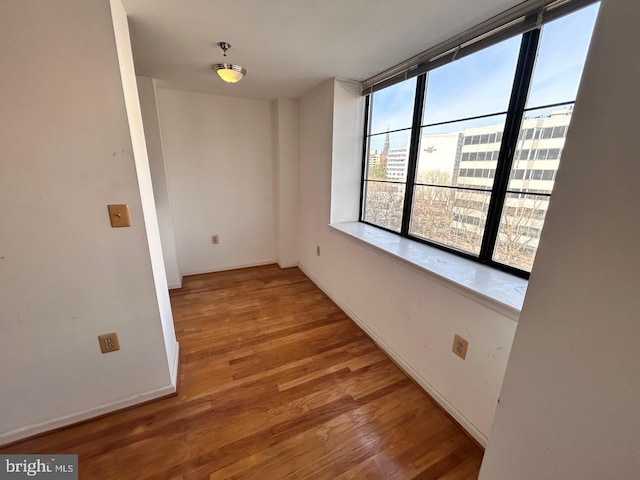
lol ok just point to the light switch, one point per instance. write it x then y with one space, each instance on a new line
119 216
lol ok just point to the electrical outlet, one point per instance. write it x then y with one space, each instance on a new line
318 250
109 342
460 346
215 240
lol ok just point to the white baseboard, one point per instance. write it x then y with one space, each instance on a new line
230 267
437 396
284 265
177 284
35 429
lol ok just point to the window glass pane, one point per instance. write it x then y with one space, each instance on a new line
561 55
457 159
392 107
445 157
546 153
450 216
383 204
520 226
517 174
389 156
559 132
479 84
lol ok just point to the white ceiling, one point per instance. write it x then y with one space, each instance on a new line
289 46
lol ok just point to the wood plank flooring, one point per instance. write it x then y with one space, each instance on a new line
275 383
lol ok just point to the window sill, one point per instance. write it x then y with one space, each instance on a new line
497 290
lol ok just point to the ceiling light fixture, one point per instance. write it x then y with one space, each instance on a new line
229 72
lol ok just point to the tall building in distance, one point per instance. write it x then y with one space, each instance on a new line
384 155
533 173
374 159
537 155
439 155
397 163
455 175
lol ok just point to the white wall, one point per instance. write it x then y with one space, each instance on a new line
220 169
346 165
569 407
285 154
413 316
66 275
153 137
150 216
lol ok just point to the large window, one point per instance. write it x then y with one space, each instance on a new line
464 157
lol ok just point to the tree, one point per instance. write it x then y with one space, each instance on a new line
446 214
384 204
520 226
378 172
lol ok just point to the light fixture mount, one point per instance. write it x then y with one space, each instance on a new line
224 46
229 72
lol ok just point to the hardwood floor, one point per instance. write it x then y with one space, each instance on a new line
275 383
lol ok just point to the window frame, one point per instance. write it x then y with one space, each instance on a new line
514 116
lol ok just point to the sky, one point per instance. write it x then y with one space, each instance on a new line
480 84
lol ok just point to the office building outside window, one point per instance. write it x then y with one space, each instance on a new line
464 158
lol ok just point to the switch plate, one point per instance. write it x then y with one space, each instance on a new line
109 342
119 216
215 240
460 346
